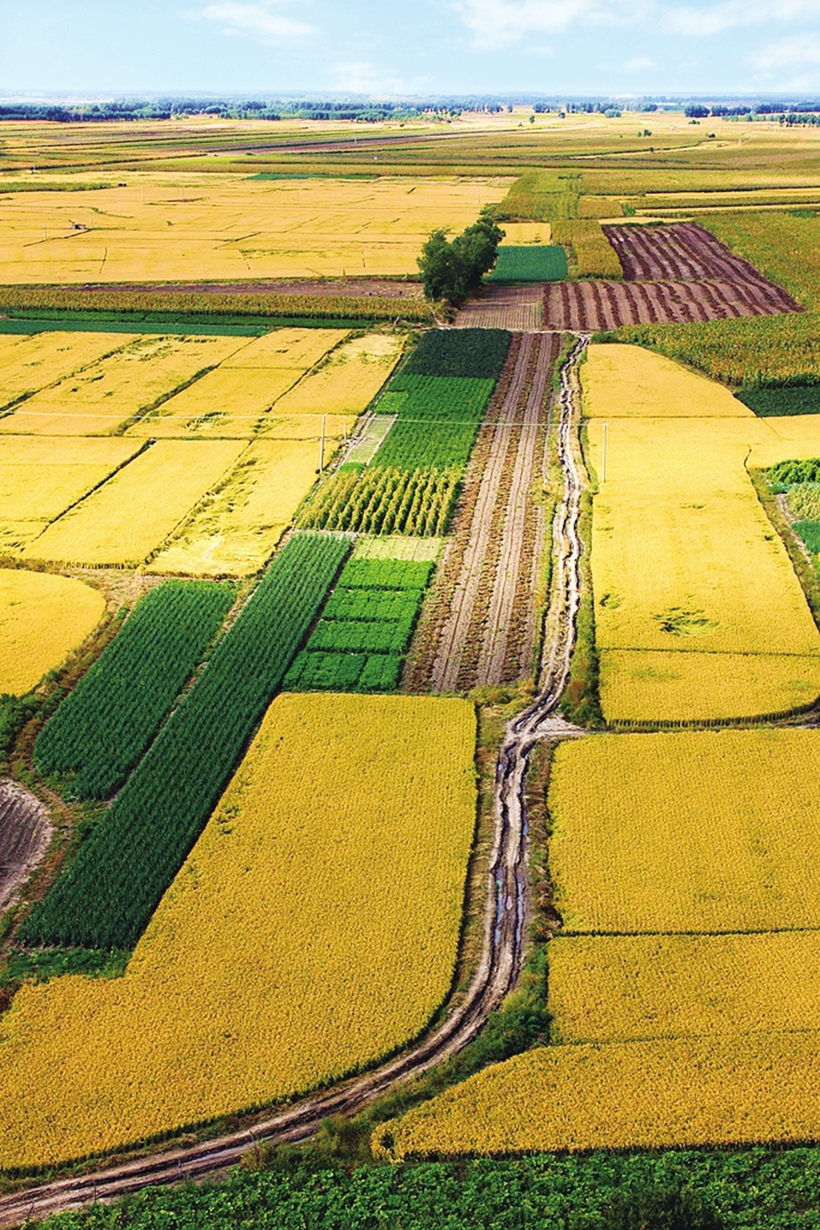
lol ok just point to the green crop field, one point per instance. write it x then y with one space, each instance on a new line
537 263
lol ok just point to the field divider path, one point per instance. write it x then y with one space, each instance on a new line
507 891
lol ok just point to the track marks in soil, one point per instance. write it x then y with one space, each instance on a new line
495 582
25 833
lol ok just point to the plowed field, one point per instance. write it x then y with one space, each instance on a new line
518 308
589 306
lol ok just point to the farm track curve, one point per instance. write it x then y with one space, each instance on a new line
504 927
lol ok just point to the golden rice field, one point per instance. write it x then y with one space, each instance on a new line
651 1094
130 516
40 478
230 400
43 619
521 233
106 394
692 831
329 882
33 361
179 226
249 393
630 382
627 987
236 528
346 382
678 532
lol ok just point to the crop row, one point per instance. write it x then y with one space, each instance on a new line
374 307
363 635
386 501
103 727
595 255
106 896
371 604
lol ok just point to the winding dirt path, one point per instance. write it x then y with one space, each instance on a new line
505 917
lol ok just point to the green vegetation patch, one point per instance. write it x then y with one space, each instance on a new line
479 353
365 630
103 727
745 1189
789 472
777 402
534 263
809 531
106 895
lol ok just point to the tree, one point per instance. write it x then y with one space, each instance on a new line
451 269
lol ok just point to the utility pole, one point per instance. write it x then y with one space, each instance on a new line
603 453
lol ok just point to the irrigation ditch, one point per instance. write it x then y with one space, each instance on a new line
505 916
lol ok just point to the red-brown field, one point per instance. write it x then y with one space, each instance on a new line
588 306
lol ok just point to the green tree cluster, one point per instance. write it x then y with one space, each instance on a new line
452 268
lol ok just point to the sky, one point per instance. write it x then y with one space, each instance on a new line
413 47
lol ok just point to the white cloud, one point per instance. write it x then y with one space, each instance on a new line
362 77
500 22
788 53
259 19
495 22
638 63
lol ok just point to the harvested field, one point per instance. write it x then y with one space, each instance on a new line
483 597
518 308
684 252
24 836
590 306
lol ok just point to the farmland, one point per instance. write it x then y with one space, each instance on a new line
664 972
673 546
293 899
353 671
98 902
43 619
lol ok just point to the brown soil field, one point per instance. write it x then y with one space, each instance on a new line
681 252
589 306
25 832
518 308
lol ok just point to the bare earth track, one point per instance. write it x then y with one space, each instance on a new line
473 647
25 833
518 308
503 938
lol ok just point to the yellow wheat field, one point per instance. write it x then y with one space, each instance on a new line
43 618
329 882
238 526
230 401
106 394
630 382
687 831
290 348
685 561
686 686
618 988
134 512
31 362
171 227
653 1094
518 233
347 382
40 478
